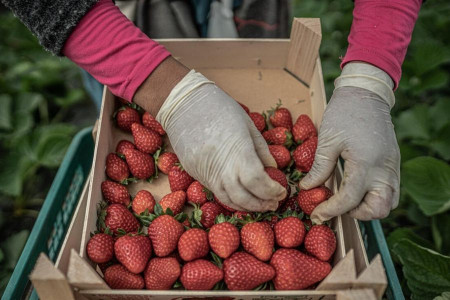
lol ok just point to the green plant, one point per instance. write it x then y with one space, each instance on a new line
418 230
38 97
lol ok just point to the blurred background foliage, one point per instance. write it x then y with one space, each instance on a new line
42 105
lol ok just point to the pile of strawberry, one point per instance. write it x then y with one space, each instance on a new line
143 244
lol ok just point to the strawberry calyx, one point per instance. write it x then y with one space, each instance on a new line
290 213
146 218
272 110
216 259
289 141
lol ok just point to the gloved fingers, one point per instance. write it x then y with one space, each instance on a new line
375 205
351 191
222 195
241 197
256 181
325 160
261 147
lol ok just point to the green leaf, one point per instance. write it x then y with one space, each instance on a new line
13 169
428 55
431 81
440 228
443 296
439 113
13 247
441 143
427 181
2 256
426 271
27 102
413 123
5 112
407 233
74 96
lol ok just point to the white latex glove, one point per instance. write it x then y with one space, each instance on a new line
357 126
218 144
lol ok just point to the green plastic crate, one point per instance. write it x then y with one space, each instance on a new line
56 213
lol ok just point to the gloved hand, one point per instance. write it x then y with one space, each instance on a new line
218 144
357 125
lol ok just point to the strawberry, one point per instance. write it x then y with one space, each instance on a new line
244 107
125 117
209 212
304 154
278 136
104 266
279 177
296 271
320 242
280 117
200 274
308 223
281 155
114 192
161 273
226 209
141 165
122 145
116 168
289 232
118 277
143 201
291 204
223 238
303 129
272 221
165 231
100 248
308 200
133 252
259 121
258 239
150 122
193 244
197 193
117 216
146 140
166 161
242 214
175 201
179 179
243 271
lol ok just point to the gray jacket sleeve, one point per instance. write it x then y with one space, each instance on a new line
51 21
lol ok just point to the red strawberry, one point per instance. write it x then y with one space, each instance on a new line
281 155
200 274
303 129
259 121
133 252
161 273
150 122
197 193
289 232
119 217
124 144
279 177
308 223
243 271
258 239
119 278
278 136
210 210
272 221
320 241
308 200
100 248
186 223
143 201
179 179
104 266
244 107
146 140
304 154
291 204
226 209
175 201
280 117
141 165
165 232
125 117
193 244
242 214
224 239
114 192
296 271
116 168
166 161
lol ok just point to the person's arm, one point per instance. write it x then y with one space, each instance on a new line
214 139
357 124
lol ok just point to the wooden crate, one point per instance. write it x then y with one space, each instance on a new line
255 72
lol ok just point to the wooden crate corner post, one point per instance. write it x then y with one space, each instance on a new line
82 276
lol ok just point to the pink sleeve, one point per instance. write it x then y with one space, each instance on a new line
114 51
381 32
